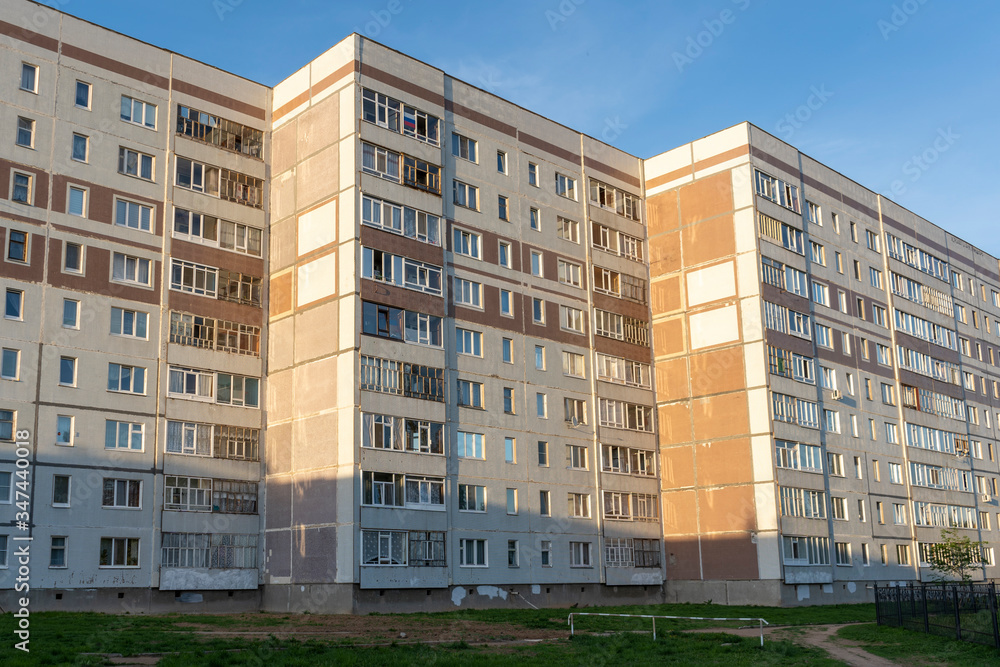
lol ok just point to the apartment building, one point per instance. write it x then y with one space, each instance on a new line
133 225
378 340
826 373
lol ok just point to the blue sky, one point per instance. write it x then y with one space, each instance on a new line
900 95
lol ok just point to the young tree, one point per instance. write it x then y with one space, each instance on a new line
954 557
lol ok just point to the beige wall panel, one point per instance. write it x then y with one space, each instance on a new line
316 332
706 198
317 227
747 281
674 422
706 241
280 397
677 467
720 416
680 515
316 176
283 145
714 327
672 379
767 511
720 142
278 448
717 372
742 187
662 214
760 410
726 509
315 386
318 127
316 280
712 283
666 296
763 458
314 442
755 365
283 199
668 337
769 555
280 343
723 462
745 230
282 244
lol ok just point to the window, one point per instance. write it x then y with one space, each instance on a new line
571 319
576 456
878 315
470 445
576 411
804 503
540 357
138 112
504 254
565 186
129 379
133 215
543 453
579 505
506 305
510 450
81 147
538 310
140 165
29 77
821 294
472 553
501 162
67 371
17 246
129 323
469 342
125 493
465 195
622 415
193 278
471 498
191 439
541 406
191 383
817 253
861 510
238 390
899 514
385 112
508 400
128 269
60 490
57 552
25 132
383 547
569 230
569 274
73 258
903 554
466 243
77 202
22 192
71 314
843 551
7 420
119 552
10 364
534 219
401 271
573 364
503 208
12 304
873 240
464 147
123 435
876 277
533 174
831 421
421 175
83 95
507 350
579 554
470 394
468 293
512 501
397 219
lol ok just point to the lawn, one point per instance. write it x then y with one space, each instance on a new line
535 637
908 647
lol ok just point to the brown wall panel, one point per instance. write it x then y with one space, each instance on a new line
661 213
717 371
677 467
223 259
683 559
672 379
726 509
706 198
724 462
666 296
668 337
619 348
399 297
729 557
401 245
720 416
674 423
709 240
223 310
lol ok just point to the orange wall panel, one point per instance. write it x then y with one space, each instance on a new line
668 337
672 379
723 462
677 467
717 372
661 213
680 516
726 509
674 423
722 416
709 240
280 294
706 198
666 295
665 254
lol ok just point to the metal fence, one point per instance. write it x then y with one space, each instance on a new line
967 612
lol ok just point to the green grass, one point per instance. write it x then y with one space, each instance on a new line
62 638
909 647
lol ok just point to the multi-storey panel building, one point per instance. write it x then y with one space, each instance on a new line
500 358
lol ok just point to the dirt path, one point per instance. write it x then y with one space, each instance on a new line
820 636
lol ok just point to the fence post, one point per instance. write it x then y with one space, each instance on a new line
899 607
992 592
927 621
958 614
878 614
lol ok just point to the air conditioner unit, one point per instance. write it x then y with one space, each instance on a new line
836 395
986 498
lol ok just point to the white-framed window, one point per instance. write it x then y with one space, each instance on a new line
467 243
61 490
189 438
571 319
468 293
383 547
539 357
8 418
502 162
573 364
470 445
465 195
133 215
510 450
191 383
76 201
122 493
401 271
67 371
22 191
506 303
576 457
535 219
71 314
10 364
129 269
194 278
57 552
409 222
575 410
568 230
119 552
469 342
138 112
843 550
579 554
187 494
13 304
29 77
537 264
473 553
512 502
126 379
237 390
507 350
83 95
470 394
533 174
129 323
25 132
464 147
538 310
805 550
541 406
565 186
504 254
123 435
503 208
81 147
134 163
569 273
579 505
